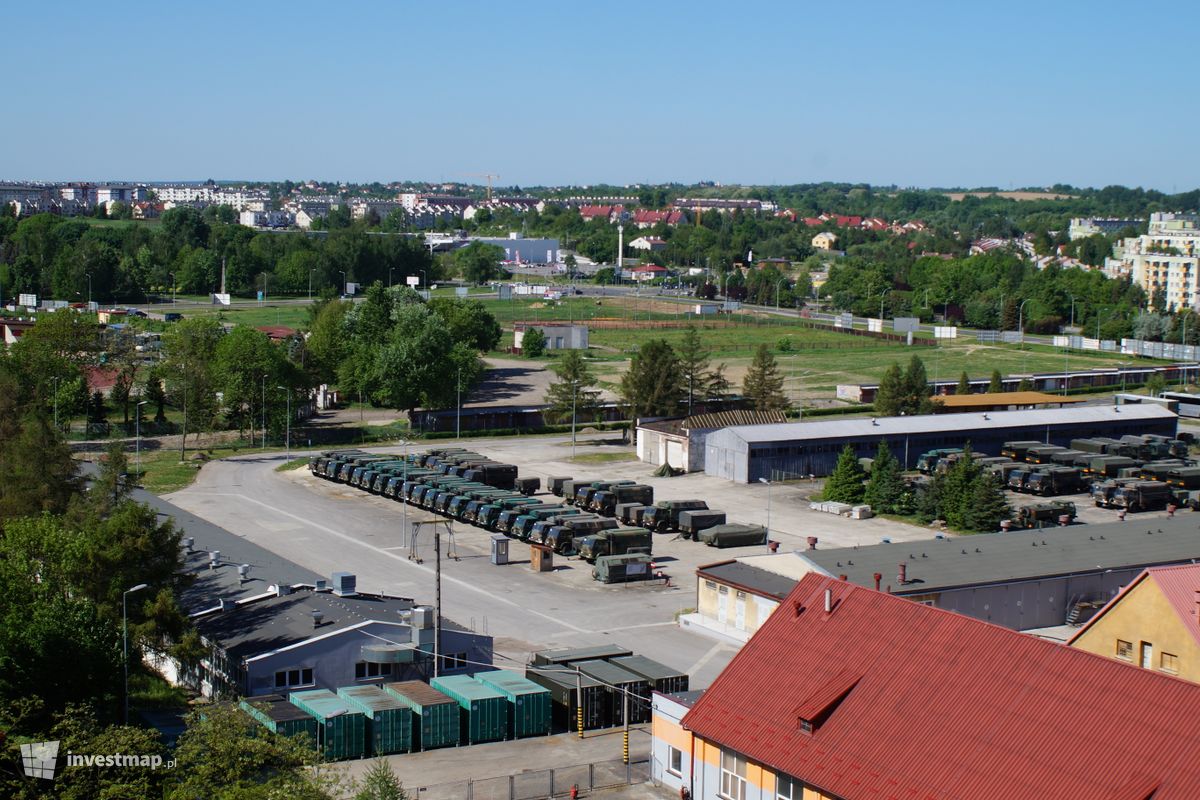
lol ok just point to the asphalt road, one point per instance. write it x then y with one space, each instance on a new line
328 527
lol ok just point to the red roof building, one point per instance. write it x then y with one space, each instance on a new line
850 693
277 333
646 218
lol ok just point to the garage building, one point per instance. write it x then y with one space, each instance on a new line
747 453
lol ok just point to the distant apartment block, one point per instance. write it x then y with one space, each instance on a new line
208 194
266 219
1165 262
699 205
1083 227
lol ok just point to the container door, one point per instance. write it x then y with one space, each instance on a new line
722 604
739 615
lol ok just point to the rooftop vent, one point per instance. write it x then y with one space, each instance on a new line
214 559
317 616
281 589
322 585
243 572
187 543
828 601
344 584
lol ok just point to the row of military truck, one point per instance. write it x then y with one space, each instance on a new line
1134 473
594 518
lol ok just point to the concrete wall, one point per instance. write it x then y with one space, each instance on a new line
1144 615
667 732
657 447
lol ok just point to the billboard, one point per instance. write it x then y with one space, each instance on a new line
27 300
906 324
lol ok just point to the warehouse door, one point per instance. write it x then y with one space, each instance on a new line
722 604
675 454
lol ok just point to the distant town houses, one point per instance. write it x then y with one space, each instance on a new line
266 219
649 244
1083 227
648 218
607 213
825 240
211 194
1165 261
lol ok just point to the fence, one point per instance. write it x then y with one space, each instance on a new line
542 783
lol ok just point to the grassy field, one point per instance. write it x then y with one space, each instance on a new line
293 316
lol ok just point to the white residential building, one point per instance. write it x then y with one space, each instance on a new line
362 208
212 195
1165 260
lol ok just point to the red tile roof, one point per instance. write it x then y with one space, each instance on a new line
1179 585
947 707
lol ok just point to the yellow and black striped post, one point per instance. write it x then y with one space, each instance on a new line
625 748
579 720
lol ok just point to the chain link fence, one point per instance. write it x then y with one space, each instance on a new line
543 783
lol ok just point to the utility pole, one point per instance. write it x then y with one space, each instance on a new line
437 611
579 701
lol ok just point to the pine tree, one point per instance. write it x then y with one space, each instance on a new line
574 392
716 385
845 485
653 386
964 384
693 365
96 410
930 502
380 783
988 504
763 384
887 396
1025 385
957 493
914 395
155 395
885 489
997 383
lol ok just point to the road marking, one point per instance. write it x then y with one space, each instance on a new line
402 559
643 625
707 657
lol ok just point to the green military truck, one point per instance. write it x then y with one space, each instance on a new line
1045 515
733 535
606 501
615 542
664 515
623 568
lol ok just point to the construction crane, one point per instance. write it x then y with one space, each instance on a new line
487 175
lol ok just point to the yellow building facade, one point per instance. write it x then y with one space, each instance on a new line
1152 623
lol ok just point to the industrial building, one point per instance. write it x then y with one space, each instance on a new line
680 441
271 626
748 453
852 694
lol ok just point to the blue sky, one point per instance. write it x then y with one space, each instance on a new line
918 94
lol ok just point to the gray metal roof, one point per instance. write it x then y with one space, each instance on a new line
934 565
935 423
759 581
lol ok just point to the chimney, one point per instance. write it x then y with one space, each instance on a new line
828 600
841 577
812 543
878 577
902 578
317 617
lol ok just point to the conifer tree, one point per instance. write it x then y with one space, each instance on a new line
693 366
964 384
1025 385
997 383
885 489
763 384
988 504
845 485
887 396
957 493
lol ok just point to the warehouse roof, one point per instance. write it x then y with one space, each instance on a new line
903 700
1000 557
713 420
749 578
935 423
992 399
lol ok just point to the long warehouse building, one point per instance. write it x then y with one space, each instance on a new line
748 453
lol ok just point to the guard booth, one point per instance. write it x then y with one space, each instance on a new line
541 557
499 549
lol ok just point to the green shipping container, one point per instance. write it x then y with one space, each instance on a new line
279 716
528 703
389 721
341 731
661 677
435 716
484 709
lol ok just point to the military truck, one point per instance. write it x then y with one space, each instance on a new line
508 516
1108 466
605 502
1043 454
555 484
540 531
1045 515
628 513
523 526
570 486
622 568
1099 445
1159 470
733 535
488 515
1142 496
1066 457
664 515
1102 491
692 522
1019 449
562 537
1055 480
317 463
1018 479
1181 477
584 494
615 542
528 486
1176 448
1004 469
927 461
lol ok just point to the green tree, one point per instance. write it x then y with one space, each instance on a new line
380 783
915 397
605 276
533 343
888 396
988 504
716 385
964 384
479 262
329 338
37 473
957 494
693 364
154 394
189 353
653 384
763 384
247 362
845 484
574 392
997 383
469 320
885 487
1156 385
1025 385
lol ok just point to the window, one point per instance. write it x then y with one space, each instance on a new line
674 761
788 788
733 776
454 661
1124 650
1147 655
365 669
285 679
1169 662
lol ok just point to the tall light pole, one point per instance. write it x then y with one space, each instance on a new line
310 273
574 395
425 276
289 420
882 297
89 277
172 274
390 271
137 424
768 483
54 380
458 396
778 283
125 641
1021 321
264 414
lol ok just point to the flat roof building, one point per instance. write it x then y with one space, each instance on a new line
746 453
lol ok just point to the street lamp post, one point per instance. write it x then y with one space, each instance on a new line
89 277
310 273
137 424
458 403
172 274
264 414
343 274
289 420
574 394
125 641
1021 320
425 277
55 381
768 483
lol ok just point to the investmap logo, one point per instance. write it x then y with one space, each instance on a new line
40 760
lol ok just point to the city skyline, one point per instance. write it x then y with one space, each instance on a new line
619 95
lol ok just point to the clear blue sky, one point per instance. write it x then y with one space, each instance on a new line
921 94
